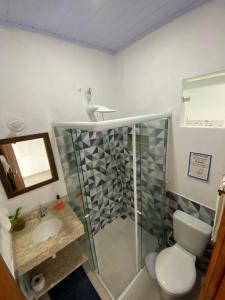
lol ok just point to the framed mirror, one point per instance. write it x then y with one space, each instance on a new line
26 163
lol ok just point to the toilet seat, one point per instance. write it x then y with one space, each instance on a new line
175 270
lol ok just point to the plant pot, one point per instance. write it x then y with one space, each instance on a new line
19 225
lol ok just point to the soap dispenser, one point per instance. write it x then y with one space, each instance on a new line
59 203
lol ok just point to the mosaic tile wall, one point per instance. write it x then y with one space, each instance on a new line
96 164
69 166
70 171
68 161
174 202
152 147
104 163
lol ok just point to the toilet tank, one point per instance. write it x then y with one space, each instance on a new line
190 233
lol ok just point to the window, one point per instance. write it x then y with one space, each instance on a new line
204 101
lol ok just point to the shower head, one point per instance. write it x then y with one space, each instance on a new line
103 109
91 108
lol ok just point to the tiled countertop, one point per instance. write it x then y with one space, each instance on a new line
28 254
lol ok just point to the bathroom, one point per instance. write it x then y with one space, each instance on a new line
60 59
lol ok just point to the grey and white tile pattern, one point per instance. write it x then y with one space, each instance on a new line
100 165
152 147
104 164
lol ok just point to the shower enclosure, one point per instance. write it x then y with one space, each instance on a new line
115 177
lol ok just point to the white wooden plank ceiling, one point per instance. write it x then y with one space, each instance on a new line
109 25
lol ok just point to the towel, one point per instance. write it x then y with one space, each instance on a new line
5 164
218 216
219 210
4 219
6 239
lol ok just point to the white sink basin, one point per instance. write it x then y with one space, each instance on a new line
46 229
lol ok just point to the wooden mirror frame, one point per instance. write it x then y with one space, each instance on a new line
49 152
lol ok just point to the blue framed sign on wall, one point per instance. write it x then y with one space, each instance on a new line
199 165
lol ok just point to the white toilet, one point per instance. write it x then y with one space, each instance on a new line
175 266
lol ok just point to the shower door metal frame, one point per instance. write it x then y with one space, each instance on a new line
135 195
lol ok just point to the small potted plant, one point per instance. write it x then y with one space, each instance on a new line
17 222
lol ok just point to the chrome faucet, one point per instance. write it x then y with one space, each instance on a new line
42 211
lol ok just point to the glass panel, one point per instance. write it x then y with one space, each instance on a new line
87 239
151 141
106 170
70 169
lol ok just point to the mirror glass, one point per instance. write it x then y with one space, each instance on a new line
26 163
203 98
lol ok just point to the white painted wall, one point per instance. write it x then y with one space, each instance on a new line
150 74
40 76
39 79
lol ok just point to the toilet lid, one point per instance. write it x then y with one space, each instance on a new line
175 270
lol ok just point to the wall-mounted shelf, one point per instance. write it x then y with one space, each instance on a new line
56 269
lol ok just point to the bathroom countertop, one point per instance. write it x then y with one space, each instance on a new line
28 254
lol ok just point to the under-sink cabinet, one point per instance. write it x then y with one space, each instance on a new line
55 257
56 269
